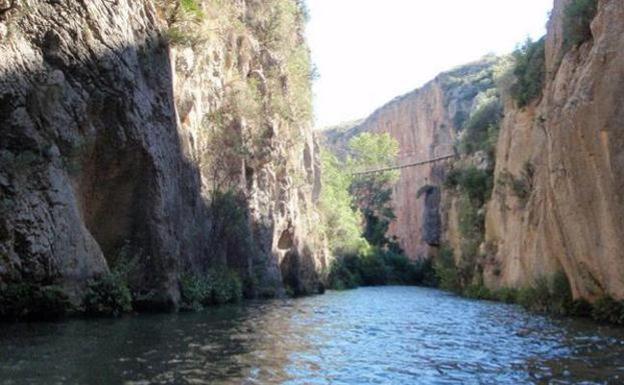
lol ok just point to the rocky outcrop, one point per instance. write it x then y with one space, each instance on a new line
120 128
573 219
427 123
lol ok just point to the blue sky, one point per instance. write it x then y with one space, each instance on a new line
369 51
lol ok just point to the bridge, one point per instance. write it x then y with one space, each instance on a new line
399 167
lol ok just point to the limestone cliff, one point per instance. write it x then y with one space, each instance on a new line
573 219
123 124
556 202
427 124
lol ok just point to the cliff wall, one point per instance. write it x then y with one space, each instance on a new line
128 127
427 124
556 202
573 219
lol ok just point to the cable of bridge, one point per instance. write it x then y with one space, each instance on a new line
420 163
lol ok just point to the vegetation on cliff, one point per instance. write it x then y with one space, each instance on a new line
578 16
210 193
357 212
530 71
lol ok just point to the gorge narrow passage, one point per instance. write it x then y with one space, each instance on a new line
389 335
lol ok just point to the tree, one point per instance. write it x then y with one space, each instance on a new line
372 192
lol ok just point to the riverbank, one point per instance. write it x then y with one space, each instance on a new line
549 295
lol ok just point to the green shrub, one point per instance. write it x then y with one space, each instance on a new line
552 296
481 128
194 292
606 309
24 301
107 295
578 16
522 186
226 287
378 267
476 184
529 298
507 295
560 295
478 291
373 270
402 271
446 271
530 72
425 274
216 287
344 273
580 308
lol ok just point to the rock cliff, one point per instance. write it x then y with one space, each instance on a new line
427 124
573 218
556 202
129 127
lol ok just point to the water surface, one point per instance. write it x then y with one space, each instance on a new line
389 335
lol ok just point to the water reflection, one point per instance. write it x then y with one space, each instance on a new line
392 335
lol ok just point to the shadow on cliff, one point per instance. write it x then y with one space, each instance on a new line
95 169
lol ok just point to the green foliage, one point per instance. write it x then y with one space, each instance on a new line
606 309
192 7
522 186
446 271
530 72
578 16
580 308
507 295
373 269
481 128
551 295
107 295
373 192
216 287
345 272
229 228
478 291
195 291
24 301
227 287
342 223
376 267
474 183
184 18
356 209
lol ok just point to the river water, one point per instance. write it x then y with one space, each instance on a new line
388 335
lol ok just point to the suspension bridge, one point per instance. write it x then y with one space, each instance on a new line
402 166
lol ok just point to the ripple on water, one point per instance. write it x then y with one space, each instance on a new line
390 335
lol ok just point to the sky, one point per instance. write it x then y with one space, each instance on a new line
369 51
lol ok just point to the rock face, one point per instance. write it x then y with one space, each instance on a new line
120 128
567 148
426 123
574 218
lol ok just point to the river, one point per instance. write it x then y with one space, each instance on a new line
386 335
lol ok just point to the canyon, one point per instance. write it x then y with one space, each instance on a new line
556 168
169 139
